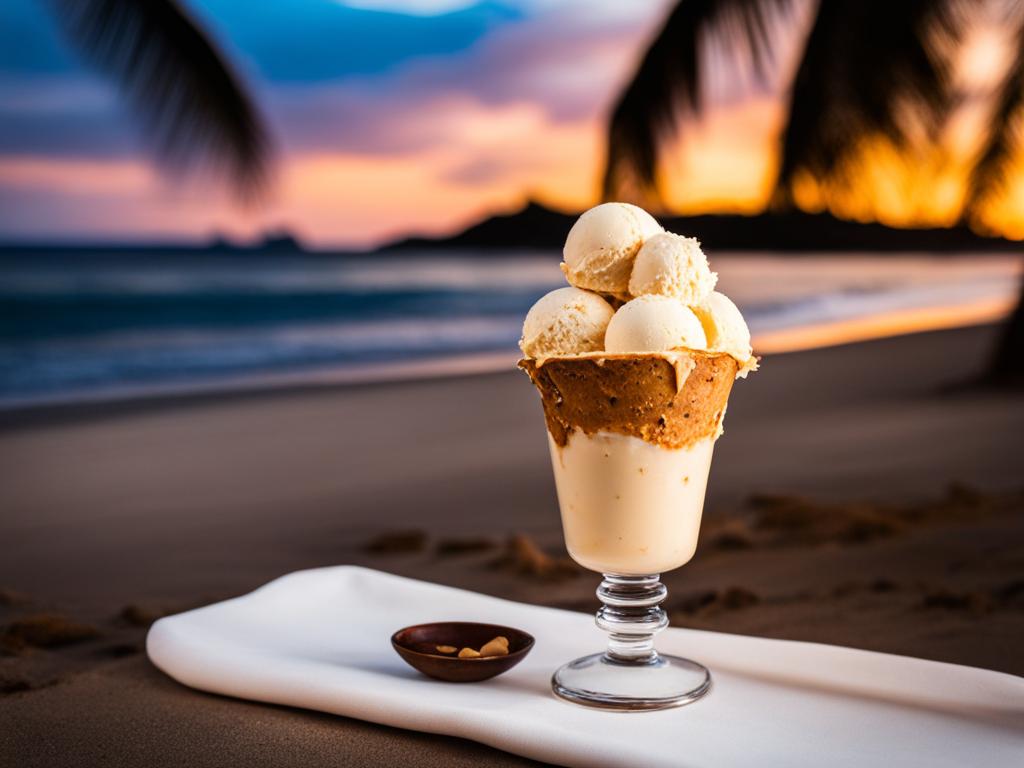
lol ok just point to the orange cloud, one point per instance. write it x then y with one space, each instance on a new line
76 177
381 198
327 198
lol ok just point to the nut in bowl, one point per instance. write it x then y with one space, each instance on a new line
461 651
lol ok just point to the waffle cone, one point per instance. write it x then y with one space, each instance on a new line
668 401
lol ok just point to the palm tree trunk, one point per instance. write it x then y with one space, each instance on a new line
1007 367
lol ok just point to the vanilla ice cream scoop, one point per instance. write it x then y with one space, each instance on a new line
602 244
672 265
653 323
725 328
567 321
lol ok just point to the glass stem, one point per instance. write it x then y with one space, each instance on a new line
632 615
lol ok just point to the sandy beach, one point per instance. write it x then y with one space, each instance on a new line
862 495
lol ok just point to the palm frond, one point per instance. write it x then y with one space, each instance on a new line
989 174
194 108
667 82
869 68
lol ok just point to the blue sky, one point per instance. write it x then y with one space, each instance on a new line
337 39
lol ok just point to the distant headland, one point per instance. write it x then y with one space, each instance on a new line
538 227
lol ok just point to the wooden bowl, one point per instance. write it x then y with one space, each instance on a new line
418 646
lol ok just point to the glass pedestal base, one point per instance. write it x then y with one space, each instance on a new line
631 676
600 681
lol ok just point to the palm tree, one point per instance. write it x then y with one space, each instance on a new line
194 108
868 68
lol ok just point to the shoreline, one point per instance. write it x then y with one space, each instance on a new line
173 330
818 336
411 371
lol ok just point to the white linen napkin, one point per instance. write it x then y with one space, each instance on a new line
320 639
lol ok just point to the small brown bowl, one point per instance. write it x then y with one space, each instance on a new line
418 646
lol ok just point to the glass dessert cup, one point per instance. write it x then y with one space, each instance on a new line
631 439
630 510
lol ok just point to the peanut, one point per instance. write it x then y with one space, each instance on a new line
495 647
446 648
469 653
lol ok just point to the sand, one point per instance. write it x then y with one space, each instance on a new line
861 495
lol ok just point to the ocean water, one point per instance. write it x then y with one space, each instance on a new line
77 327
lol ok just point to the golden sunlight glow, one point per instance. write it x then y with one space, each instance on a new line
1005 215
883 325
889 187
725 162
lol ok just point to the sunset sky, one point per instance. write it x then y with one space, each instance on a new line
391 117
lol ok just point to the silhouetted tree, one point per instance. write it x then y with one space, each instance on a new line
869 68
668 84
194 108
